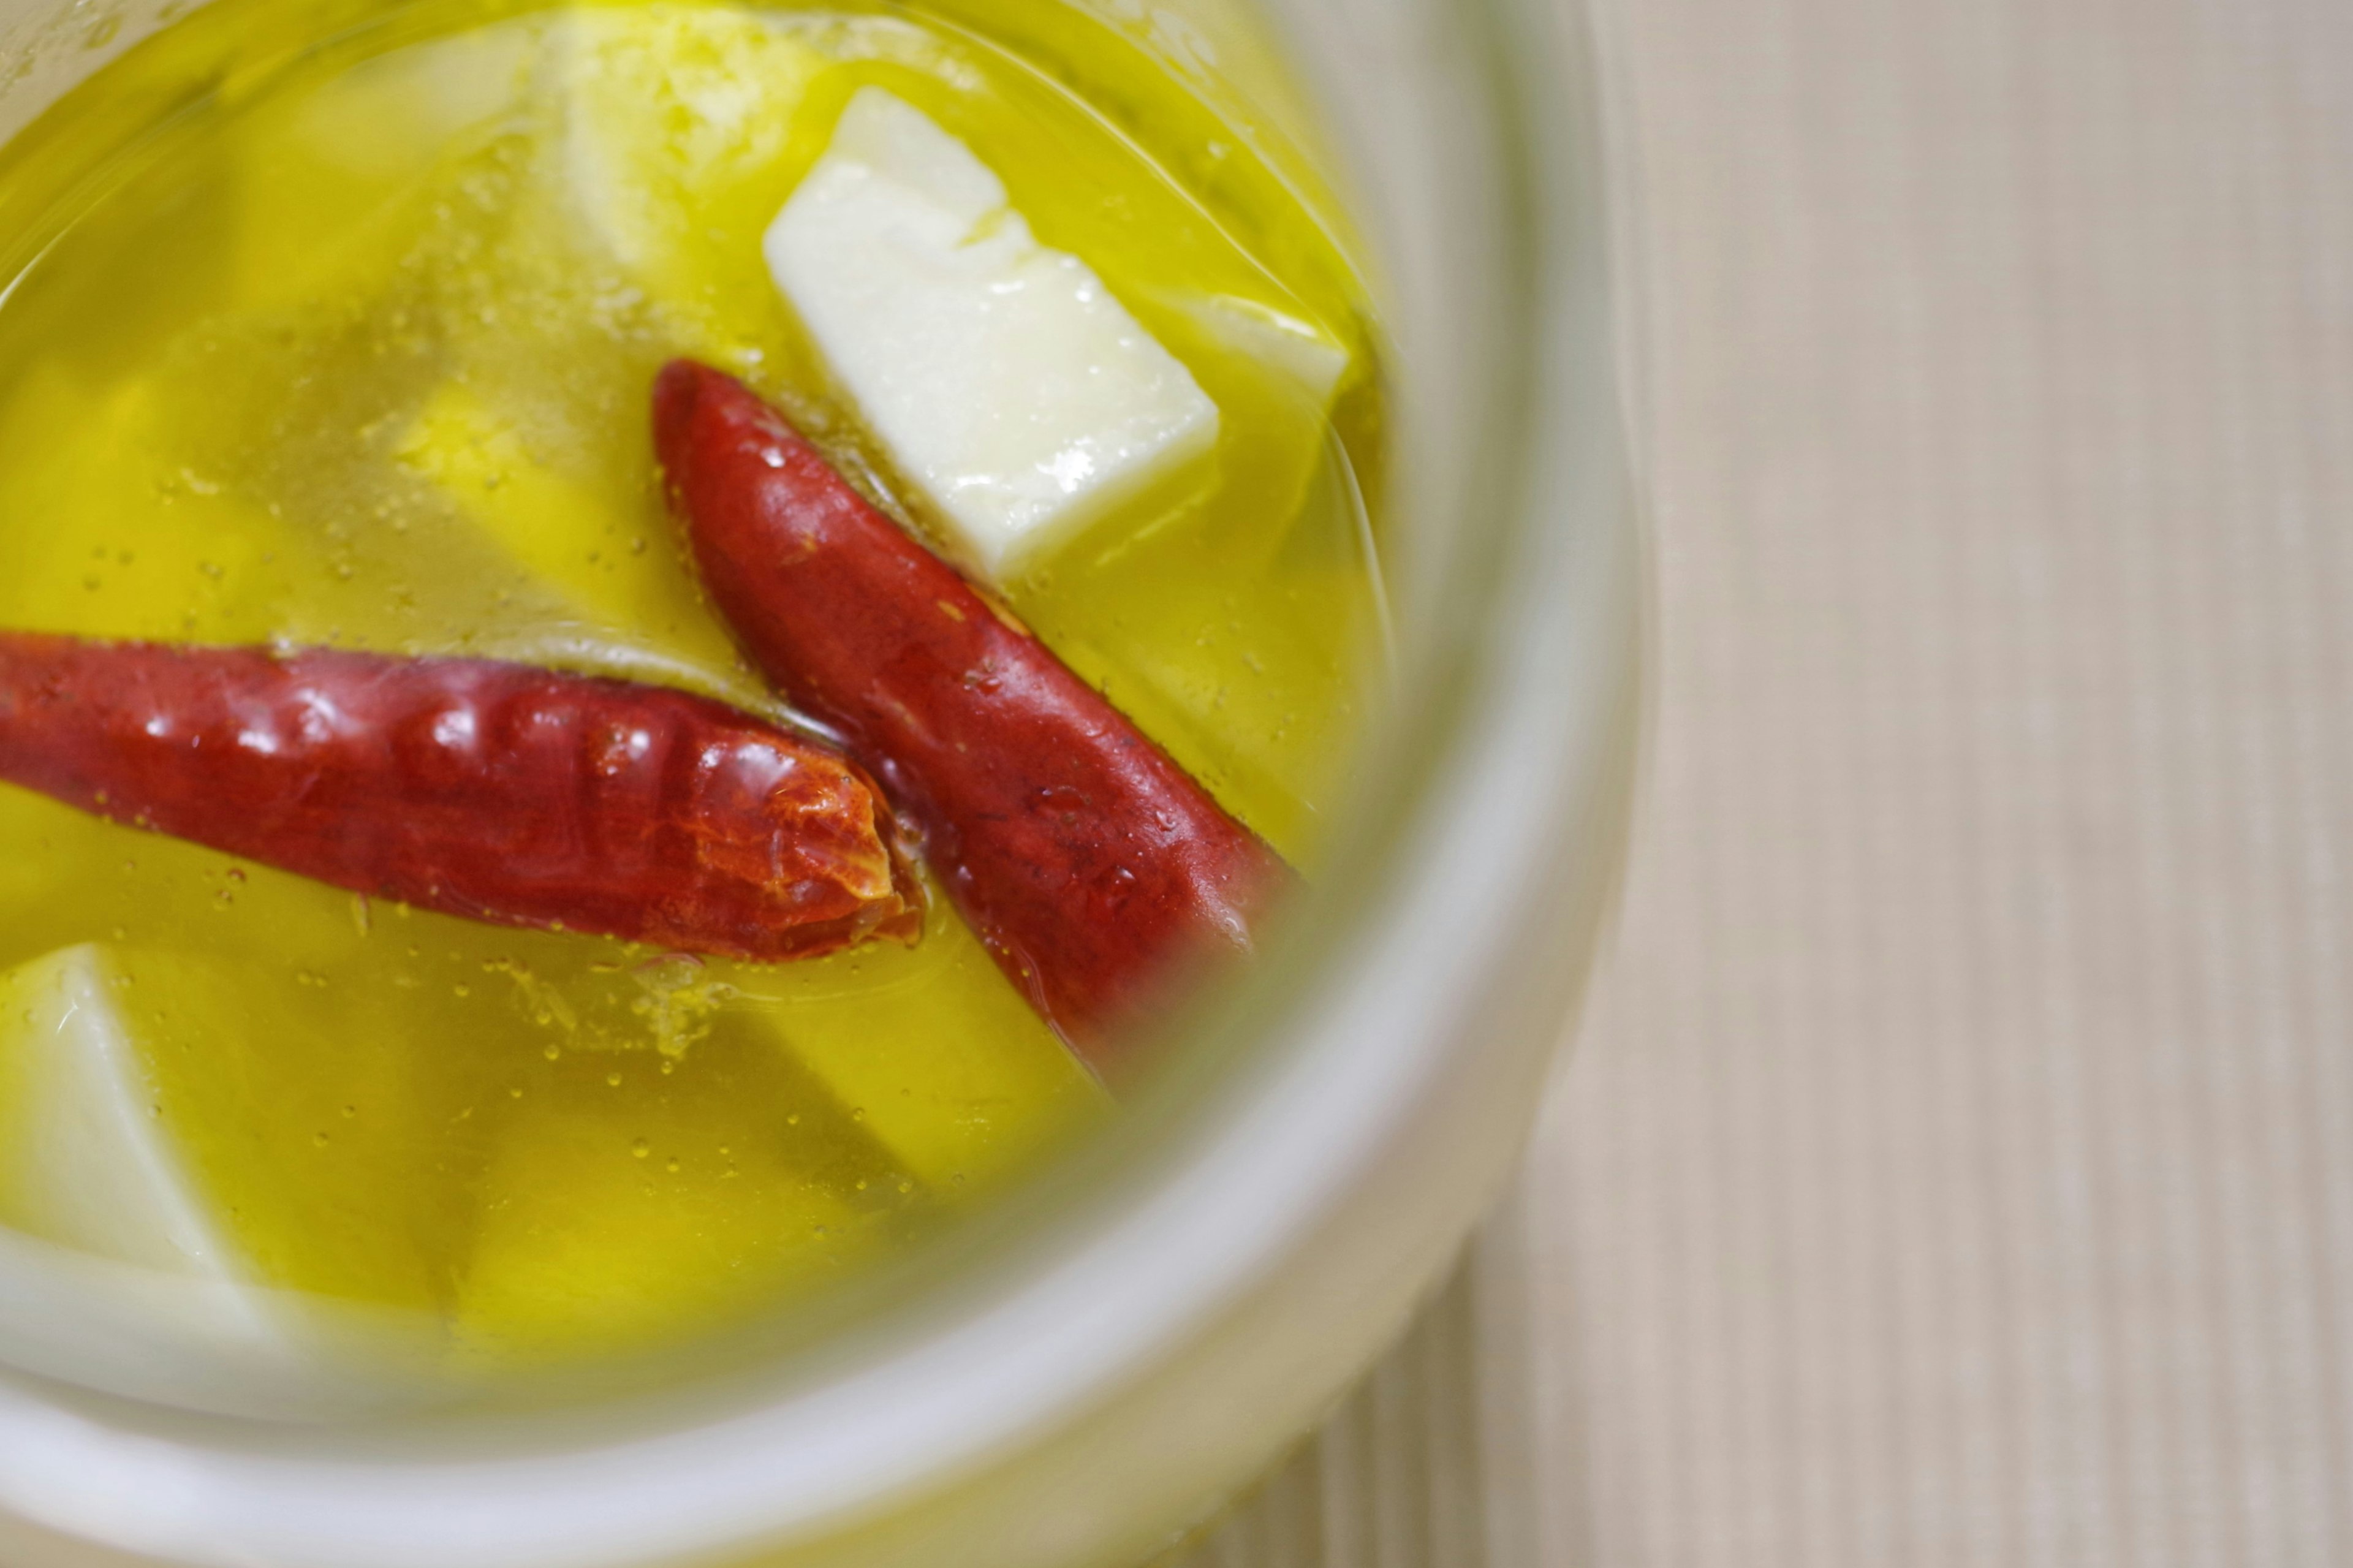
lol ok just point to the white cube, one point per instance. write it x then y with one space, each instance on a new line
1002 377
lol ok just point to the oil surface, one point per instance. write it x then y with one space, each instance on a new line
353 346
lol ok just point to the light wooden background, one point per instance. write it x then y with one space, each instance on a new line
1957 1165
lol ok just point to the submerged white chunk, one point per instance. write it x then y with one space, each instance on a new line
84 1160
116 1269
673 114
1310 364
1002 376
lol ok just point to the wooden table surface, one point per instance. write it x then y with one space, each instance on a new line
1957 1164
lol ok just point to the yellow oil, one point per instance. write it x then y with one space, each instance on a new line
333 325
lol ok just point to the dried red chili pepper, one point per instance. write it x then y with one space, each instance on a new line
493 791
1087 859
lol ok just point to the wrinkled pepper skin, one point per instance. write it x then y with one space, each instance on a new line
493 791
1087 861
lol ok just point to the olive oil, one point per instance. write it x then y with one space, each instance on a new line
338 328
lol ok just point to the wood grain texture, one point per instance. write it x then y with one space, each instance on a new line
1959 1169
1957 1165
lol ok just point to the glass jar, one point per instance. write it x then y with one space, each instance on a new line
1102 1361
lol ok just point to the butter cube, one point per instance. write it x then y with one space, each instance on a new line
1003 378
